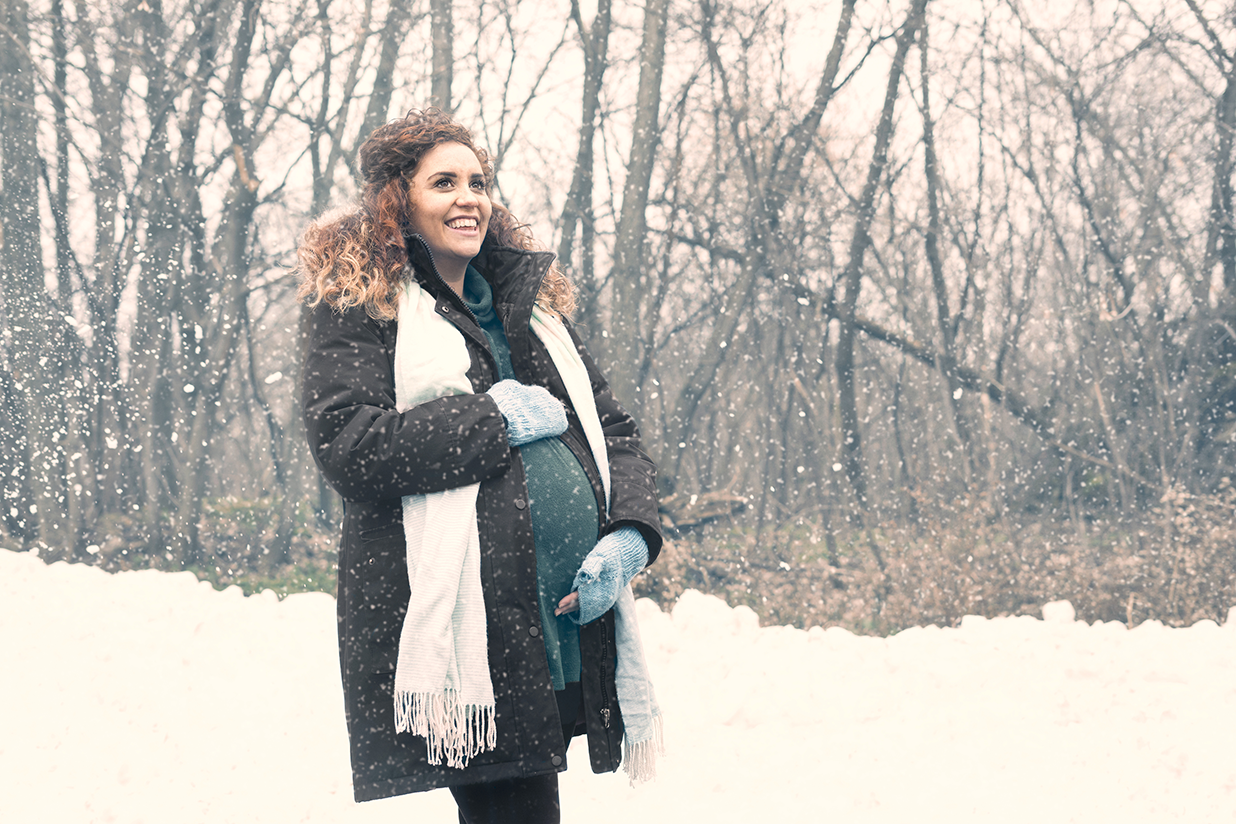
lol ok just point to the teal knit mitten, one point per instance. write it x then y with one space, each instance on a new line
531 412
610 566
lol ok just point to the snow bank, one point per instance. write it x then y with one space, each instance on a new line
149 697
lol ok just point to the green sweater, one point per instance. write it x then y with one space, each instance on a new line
563 506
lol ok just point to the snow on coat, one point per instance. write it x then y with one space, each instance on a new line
373 456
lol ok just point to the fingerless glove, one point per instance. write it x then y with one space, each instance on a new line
610 566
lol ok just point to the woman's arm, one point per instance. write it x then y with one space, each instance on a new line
632 537
365 448
633 475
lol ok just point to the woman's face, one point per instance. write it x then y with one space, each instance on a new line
450 206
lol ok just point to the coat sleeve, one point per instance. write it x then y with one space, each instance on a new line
632 474
366 449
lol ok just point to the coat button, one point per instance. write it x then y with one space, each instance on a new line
446 310
534 631
520 503
556 760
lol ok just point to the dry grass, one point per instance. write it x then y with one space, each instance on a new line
1175 564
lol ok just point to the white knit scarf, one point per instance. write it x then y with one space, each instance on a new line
442 687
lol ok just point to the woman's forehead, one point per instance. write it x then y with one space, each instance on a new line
449 157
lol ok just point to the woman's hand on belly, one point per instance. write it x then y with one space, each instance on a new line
531 412
613 562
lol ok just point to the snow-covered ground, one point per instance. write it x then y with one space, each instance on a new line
149 697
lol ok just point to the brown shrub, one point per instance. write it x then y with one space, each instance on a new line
1175 564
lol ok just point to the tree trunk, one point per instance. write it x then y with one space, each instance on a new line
394 31
442 25
40 494
219 311
943 312
852 277
630 279
577 210
151 399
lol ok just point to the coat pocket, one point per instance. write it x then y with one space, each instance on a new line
380 597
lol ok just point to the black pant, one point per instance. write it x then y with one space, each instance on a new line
520 800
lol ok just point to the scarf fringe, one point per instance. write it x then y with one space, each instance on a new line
639 761
452 730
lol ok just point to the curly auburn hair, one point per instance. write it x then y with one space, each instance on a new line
355 255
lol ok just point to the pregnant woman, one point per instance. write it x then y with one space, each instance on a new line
497 503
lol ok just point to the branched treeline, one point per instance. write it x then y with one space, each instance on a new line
992 274
846 264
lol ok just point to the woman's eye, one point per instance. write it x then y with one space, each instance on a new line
478 185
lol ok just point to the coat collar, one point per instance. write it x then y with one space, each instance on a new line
515 274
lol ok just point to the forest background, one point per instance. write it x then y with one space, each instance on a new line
926 307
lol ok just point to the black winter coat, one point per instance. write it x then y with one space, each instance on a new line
373 455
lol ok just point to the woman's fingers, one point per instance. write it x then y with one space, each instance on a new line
568 604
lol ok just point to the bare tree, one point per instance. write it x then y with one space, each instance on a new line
441 20
577 209
630 277
768 188
35 374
